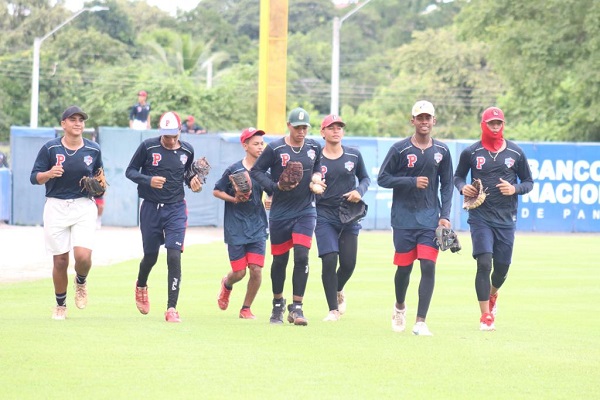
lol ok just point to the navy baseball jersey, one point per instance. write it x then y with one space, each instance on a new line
140 112
414 208
341 176
244 222
299 201
509 164
76 164
152 159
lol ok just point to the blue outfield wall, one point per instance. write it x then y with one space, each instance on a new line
566 190
565 198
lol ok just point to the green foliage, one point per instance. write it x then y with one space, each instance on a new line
453 75
538 60
358 124
115 22
210 26
547 52
305 15
141 17
308 81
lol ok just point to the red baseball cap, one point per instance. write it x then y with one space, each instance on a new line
332 119
249 132
191 118
491 114
142 93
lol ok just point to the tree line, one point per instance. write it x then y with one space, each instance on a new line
538 60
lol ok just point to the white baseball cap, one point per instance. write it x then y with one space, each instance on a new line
423 107
170 123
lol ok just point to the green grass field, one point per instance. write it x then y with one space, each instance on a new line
546 345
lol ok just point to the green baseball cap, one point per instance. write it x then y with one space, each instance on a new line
299 116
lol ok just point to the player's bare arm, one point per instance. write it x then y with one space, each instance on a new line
219 194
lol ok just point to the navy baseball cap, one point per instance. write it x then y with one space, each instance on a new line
72 110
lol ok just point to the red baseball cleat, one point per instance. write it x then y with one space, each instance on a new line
223 298
141 299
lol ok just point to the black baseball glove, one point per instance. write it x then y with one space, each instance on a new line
352 212
446 239
199 168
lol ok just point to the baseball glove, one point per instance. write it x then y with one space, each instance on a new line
199 168
352 212
242 185
291 175
472 202
446 239
94 186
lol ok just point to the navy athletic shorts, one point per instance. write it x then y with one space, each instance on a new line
328 235
488 239
240 256
288 232
413 244
162 224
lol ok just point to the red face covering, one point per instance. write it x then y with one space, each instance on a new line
491 141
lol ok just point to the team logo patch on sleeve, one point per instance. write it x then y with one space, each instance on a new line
349 165
438 157
509 162
311 154
183 158
88 160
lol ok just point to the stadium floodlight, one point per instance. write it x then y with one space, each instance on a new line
35 73
335 58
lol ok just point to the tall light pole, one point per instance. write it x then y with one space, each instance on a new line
335 59
35 72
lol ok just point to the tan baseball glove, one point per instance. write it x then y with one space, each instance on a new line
472 202
94 186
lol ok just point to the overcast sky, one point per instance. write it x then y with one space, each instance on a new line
170 6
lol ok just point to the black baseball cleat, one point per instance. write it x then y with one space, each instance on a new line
296 316
278 310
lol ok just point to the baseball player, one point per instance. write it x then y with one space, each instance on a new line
139 116
69 215
341 168
158 167
292 216
245 226
190 126
505 174
419 170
